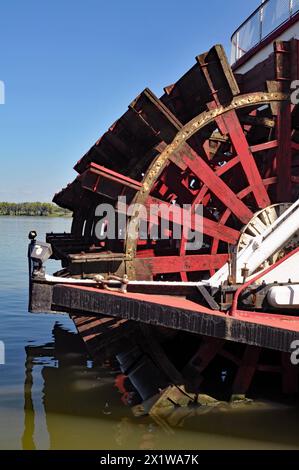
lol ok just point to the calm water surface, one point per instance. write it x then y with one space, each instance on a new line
53 397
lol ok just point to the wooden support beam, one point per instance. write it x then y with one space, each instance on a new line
210 227
267 331
246 370
230 124
289 375
205 174
284 153
183 263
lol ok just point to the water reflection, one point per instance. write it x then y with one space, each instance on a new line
71 403
27 439
80 407
72 386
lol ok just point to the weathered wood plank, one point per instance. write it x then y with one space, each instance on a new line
268 331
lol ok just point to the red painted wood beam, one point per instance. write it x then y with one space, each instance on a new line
289 375
230 124
246 370
106 173
265 146
284 154
210 227
268 330
173 264
221 190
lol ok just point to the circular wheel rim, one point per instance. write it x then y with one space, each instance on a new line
258 186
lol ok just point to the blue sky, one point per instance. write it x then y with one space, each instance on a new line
71 67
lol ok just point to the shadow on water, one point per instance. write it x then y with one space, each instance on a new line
81 408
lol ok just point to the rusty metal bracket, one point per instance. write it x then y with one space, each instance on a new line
106 282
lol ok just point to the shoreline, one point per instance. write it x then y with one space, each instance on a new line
32 209
50 216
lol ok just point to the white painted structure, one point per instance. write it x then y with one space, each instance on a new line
284 296
265 21
261 247
291 33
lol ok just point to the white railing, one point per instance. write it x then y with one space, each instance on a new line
263 21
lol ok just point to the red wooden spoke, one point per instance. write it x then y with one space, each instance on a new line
269 181
215 244
228 166
221 170
284 154
230 123
184 275
216 230
265 146
225 216
210 227
172 183
205 174
246 372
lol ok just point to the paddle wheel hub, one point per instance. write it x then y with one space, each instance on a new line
259 223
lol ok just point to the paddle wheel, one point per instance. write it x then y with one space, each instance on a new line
219 148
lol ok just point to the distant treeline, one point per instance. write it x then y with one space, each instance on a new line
32 208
